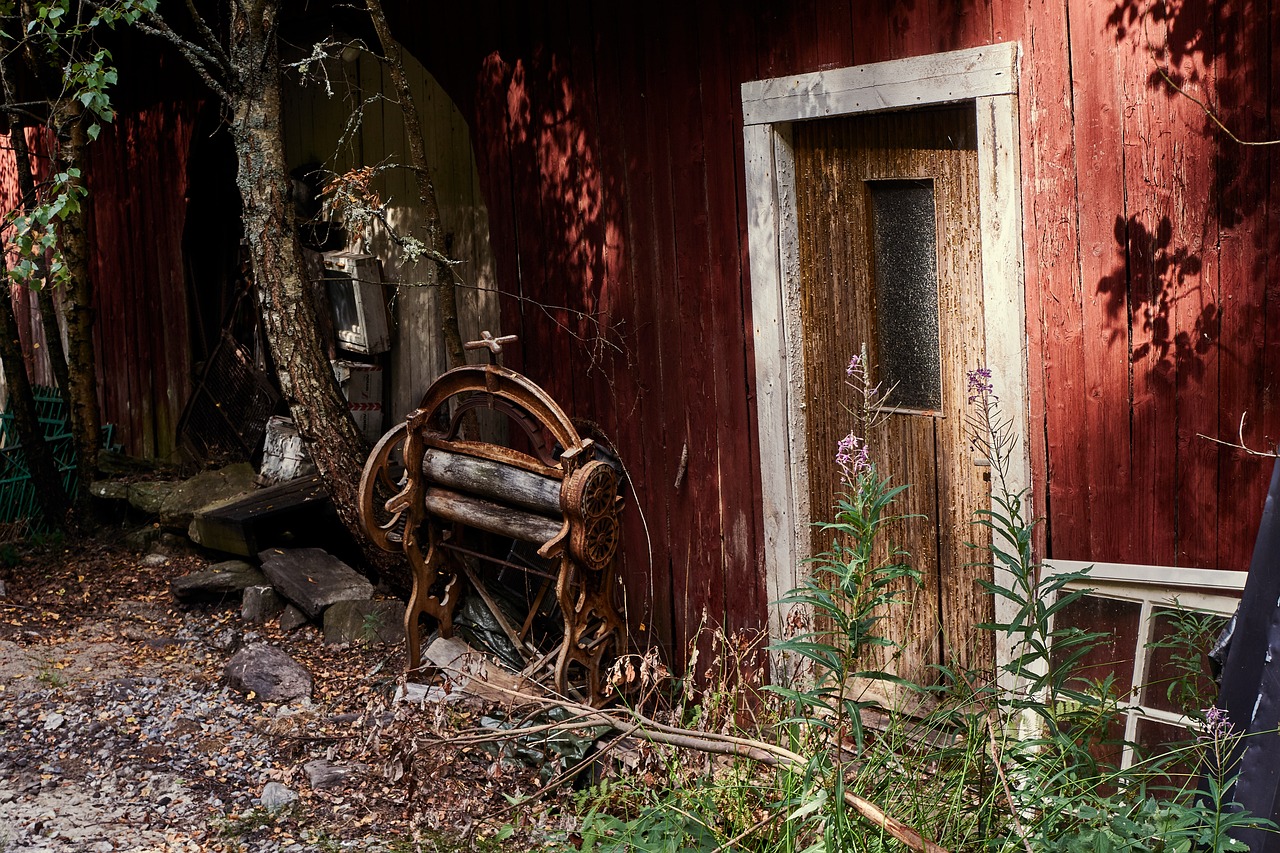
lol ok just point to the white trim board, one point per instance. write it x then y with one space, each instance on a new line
1170 577
988 78
939 78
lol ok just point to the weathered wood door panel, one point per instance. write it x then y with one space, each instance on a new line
887 209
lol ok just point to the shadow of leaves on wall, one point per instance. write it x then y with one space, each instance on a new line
1154 301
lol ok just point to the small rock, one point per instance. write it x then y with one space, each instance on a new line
141 539
323 774
225 640
261 604
276 797
2 591
269 673
217 581
53 721
155 561
313 579
364 621
292 619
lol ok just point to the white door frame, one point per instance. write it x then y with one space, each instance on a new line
987 77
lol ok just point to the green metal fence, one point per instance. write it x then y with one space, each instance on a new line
19 511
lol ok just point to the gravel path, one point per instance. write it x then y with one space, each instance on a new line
116 732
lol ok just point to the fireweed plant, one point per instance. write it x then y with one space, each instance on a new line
1022 759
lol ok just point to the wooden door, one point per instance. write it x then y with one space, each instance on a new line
890 256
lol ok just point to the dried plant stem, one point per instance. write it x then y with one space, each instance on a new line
763 752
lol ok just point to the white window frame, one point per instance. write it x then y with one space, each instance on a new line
1152 587
985 76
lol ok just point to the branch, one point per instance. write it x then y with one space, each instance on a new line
1208 111
1269 454
206 32
762 752
205 64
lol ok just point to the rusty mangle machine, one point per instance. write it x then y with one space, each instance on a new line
426 484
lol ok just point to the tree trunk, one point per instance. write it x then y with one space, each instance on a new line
426 190
82 388
40 465
48 310
288 308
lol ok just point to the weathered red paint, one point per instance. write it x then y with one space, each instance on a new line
1143 226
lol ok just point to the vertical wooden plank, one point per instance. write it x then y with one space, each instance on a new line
1138 292
1104 409
1193 201
651 284
1244 74
770 352
697 499
1049 247
725 32
1004 300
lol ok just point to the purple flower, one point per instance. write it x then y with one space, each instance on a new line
980 385
853 455
1217 724
854 368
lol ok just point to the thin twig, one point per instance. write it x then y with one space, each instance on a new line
1156 53
1268 454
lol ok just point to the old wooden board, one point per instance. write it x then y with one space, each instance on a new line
245 525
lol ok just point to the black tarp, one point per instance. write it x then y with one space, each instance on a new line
1251 682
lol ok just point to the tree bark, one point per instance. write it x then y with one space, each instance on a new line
82 388
48 310
288 308
45 479
426 189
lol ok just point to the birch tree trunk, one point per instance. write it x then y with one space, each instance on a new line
82 390
288 308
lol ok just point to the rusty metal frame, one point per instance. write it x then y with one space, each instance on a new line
582 552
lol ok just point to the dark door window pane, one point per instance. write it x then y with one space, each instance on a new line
905 252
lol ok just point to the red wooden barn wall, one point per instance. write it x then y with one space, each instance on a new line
137 174
137 177
610 143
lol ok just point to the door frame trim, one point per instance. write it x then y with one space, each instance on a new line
985 76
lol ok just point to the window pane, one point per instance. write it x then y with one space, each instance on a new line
1179 677
906 265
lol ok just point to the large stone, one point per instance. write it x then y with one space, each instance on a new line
269 673
149 496
144 537
217 581
109 490
260 604
313 579
207 487
364 622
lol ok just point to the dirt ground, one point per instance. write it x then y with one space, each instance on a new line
117 732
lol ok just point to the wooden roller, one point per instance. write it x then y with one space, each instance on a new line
486 515
505 484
